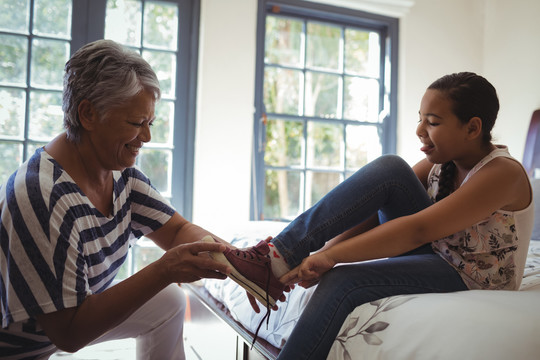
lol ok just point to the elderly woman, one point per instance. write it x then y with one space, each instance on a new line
69 213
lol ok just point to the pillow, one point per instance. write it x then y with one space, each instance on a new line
536 196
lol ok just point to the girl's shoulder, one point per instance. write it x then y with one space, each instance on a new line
500 159
506 174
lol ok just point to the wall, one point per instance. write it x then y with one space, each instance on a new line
512 62
437 37
225 101
496 38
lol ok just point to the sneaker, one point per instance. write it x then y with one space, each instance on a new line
251 269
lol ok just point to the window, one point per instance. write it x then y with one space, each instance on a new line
325 101
34 46
37 38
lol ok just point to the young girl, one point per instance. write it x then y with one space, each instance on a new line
459 219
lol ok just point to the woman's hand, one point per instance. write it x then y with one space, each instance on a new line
310 270
190 262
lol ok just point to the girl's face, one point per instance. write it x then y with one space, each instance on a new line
121 133
442 134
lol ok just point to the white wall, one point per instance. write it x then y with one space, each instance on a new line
512 63
437 37
225 102
495 38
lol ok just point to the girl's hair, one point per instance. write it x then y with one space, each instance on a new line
471 96
106 74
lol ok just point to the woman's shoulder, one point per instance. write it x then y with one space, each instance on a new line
133 174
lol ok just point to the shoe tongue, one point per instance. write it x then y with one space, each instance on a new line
262 248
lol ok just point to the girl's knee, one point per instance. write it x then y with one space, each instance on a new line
392 161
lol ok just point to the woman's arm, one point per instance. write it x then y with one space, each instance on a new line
73 328
500 184
179 231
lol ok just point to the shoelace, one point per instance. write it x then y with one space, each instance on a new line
254 254
267 316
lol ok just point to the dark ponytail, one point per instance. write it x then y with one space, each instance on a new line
446 180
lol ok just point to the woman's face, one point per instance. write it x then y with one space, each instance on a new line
442 134
121 133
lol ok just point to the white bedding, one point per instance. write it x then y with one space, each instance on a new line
475 324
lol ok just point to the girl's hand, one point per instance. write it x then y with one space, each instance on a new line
309 271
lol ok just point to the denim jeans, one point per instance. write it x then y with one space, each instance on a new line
386 186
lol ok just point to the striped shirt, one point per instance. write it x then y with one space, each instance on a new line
57 248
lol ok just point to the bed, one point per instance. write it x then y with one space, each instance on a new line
476 324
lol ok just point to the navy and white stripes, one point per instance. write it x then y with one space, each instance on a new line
56 248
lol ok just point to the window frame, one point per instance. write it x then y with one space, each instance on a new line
388 27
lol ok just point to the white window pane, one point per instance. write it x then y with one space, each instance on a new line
14 15
46 115
284 41
11 159
322 98
12 110
282 91
48 60
162 129
52 18
160 25
323 46
164 64
363 146
156 164
324 145
123 21
362 52
13 57
282 194
361 99
284 143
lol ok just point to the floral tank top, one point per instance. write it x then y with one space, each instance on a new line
490 254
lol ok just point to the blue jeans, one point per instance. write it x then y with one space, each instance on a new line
386 186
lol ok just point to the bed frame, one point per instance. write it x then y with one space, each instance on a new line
531 154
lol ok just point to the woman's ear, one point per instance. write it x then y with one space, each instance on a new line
474 127
87 114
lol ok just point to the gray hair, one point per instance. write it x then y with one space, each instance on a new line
106 74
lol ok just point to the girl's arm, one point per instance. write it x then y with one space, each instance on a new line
500 184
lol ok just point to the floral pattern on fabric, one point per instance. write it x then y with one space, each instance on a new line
483 253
